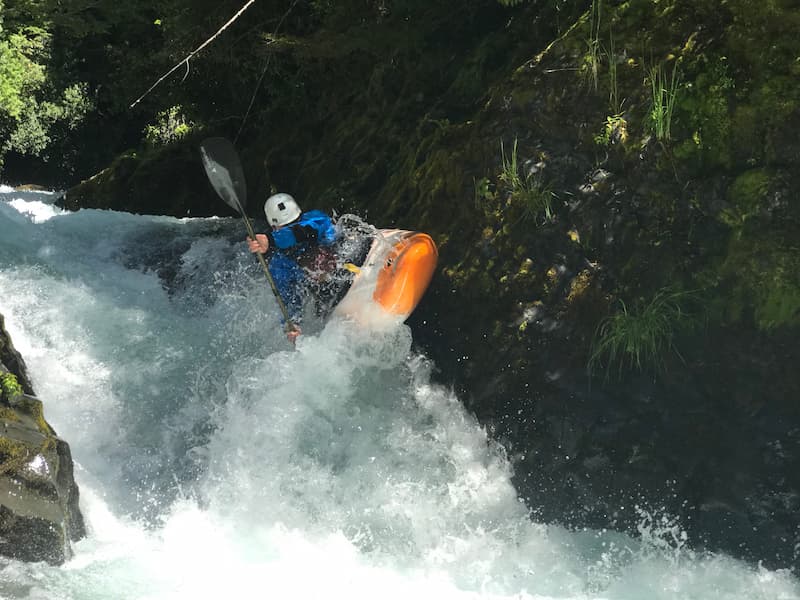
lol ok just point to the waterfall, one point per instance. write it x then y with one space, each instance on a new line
214 460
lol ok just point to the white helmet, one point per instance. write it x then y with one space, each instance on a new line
281 209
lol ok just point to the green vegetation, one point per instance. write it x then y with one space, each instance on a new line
704 106
528 192
9 414
639 338
483 191
31 108
9 386
663 93
747 198
171 125
20 74
11 454
615 129
758 280
592 65
613 80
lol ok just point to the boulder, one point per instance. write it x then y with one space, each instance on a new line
39 512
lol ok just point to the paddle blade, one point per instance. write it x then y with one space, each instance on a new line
224 171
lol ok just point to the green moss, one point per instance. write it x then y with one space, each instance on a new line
749 188
759 279
766 79
746 197
11 451
780 304
33 407
703 107
8 414
470 82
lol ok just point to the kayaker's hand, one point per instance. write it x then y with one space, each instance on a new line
260 244
293 333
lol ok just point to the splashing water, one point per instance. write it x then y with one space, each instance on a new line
214 461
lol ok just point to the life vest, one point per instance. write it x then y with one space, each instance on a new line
312 228
296 252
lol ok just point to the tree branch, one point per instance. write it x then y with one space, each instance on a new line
192 53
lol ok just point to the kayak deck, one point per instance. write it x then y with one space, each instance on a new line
392 280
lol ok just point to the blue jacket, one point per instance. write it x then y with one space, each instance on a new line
293 244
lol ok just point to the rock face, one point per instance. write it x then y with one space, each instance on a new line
39 513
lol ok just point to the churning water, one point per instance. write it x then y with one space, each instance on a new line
216 462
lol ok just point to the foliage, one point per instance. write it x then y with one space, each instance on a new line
704 105
30 106
639 338
747 197
69 70
509 174
32 133
759 280
170 126
20 73
614 130
9 386
591 66
483 191
527 191
663 93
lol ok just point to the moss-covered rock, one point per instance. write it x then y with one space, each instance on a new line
39 512
12 359
167 180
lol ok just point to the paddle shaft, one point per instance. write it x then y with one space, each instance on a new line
281 304
224 171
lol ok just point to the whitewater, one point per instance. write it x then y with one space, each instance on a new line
215 461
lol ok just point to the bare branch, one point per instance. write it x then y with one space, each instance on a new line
192 53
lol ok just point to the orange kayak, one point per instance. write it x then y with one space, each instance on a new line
390 283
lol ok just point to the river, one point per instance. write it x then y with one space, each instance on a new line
215 461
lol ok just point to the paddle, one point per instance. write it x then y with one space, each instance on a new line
224 171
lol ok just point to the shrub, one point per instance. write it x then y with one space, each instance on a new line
170 126
9 386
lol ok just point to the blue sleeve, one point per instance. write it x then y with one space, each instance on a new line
314 227
284 237
289 279
323 224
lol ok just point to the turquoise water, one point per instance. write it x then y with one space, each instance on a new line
216 461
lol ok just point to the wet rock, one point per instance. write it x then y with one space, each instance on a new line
11 359
39 512
168 180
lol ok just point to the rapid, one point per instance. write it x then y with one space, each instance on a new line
214 461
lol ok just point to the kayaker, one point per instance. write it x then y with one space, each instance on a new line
301 256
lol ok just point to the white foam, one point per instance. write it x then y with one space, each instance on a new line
216 461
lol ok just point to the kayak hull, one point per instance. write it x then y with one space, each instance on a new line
388 286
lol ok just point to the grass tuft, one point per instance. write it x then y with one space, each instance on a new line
528 191
663 92
639 338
